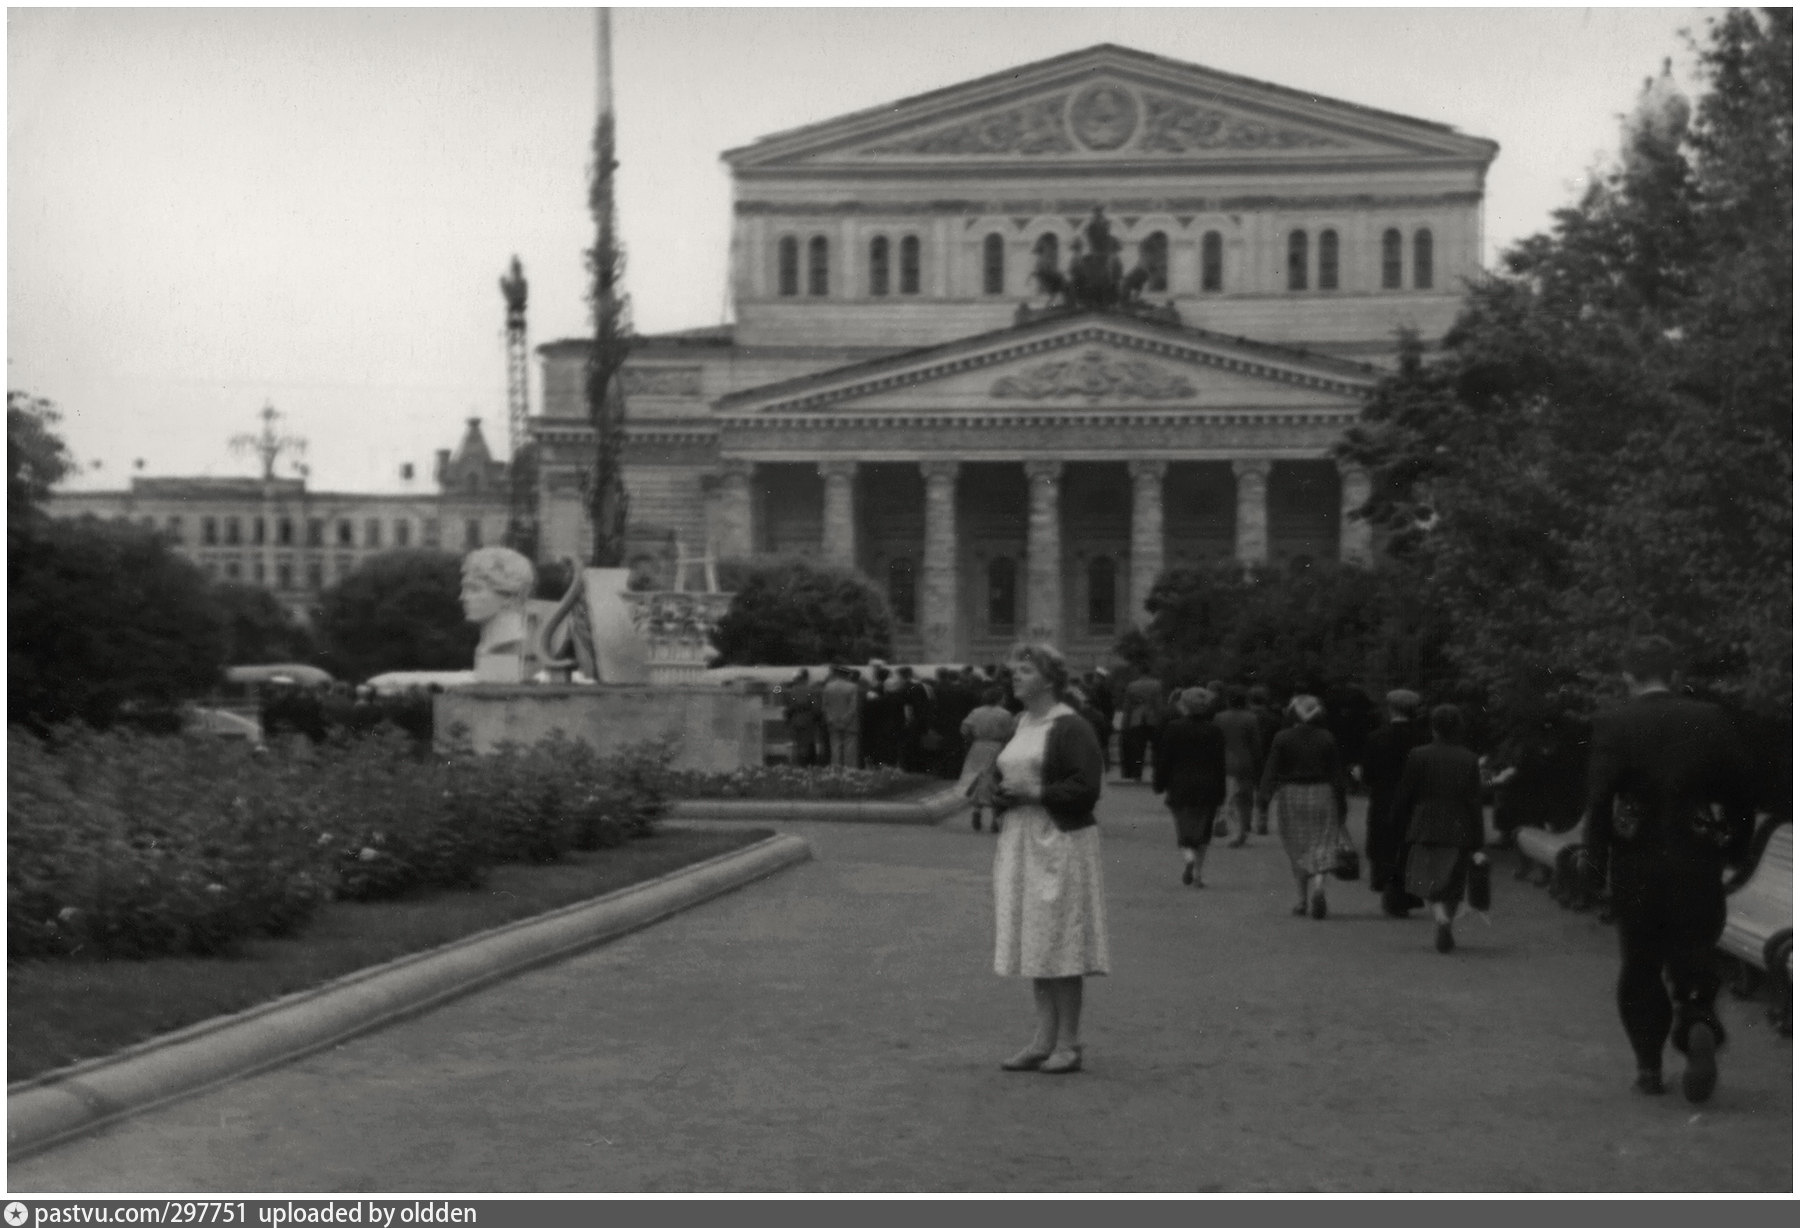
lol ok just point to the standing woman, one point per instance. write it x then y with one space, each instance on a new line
1439 799
986 730
1049 907
1304 780
1189 772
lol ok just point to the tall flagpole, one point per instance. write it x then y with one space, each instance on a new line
607 504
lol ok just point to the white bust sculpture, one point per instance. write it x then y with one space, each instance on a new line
496 585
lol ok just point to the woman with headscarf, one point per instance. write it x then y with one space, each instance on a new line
1303 782
1439 799
1049 908
1189 772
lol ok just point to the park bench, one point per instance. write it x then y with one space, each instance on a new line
1759 924
1549 857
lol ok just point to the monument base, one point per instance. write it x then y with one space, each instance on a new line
717 729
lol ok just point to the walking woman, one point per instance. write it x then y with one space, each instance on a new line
1049 907
986 730
1303 780
1439 799
1189 772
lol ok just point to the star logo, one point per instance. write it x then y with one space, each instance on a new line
16 1214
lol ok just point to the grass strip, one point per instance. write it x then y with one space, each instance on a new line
64 1011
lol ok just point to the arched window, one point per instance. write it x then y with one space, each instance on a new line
902 592
878 265
818 266
1421 260
1297 260
1390 260
788 260
909 264
1003 593
234 534
1212 263
1046 253
1103 605
993 265
1328 260
1153 254
209 531
284 532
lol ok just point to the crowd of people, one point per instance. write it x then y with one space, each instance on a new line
1665 795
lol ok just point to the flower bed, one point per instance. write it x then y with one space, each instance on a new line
778 782
122 845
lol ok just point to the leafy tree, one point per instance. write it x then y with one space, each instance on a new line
794 613
1322 627
36 459
102 617
1603 444
258 628
399 610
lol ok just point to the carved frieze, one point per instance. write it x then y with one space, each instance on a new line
662 381
1066 432
1034 128
1177 126
1095 374
1104 116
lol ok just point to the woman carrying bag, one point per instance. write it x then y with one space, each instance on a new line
1439 799
1303 785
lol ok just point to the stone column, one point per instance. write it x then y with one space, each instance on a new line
1043 552
938 621
737 536
1355 536
1146 532
838 541
1252 511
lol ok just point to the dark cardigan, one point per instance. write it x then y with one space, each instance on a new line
1073 769
1190 763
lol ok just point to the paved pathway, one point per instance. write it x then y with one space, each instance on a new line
836 1028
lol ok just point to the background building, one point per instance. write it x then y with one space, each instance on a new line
295 542
899 395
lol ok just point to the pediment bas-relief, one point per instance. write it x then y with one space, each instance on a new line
1076 378
1108 119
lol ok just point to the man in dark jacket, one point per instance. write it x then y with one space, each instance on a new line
1658 764
1189 771
1383 758
805 721
1144 715
1268 724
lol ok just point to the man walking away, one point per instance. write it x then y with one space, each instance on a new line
1143 717
1268 724
1243 759
1383 759
1658 764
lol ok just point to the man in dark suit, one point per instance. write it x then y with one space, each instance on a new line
1383 758
1657 765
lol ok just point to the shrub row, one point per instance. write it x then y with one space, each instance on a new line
124 845
785 782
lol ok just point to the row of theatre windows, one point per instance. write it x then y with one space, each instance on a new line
231 531
1303 270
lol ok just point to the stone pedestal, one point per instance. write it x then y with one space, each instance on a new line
676 629
716 728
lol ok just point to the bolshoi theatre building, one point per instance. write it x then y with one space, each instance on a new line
913 388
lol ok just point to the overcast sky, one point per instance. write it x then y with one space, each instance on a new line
209 209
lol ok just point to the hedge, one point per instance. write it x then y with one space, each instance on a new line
121 845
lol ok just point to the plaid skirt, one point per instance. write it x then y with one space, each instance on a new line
1049 907
1306 816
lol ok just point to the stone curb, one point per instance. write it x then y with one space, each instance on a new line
930 809
57 1106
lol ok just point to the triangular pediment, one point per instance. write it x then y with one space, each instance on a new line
1108 105
1091 362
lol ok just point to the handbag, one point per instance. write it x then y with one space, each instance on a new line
1349 862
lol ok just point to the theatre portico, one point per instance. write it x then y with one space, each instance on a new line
911 386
